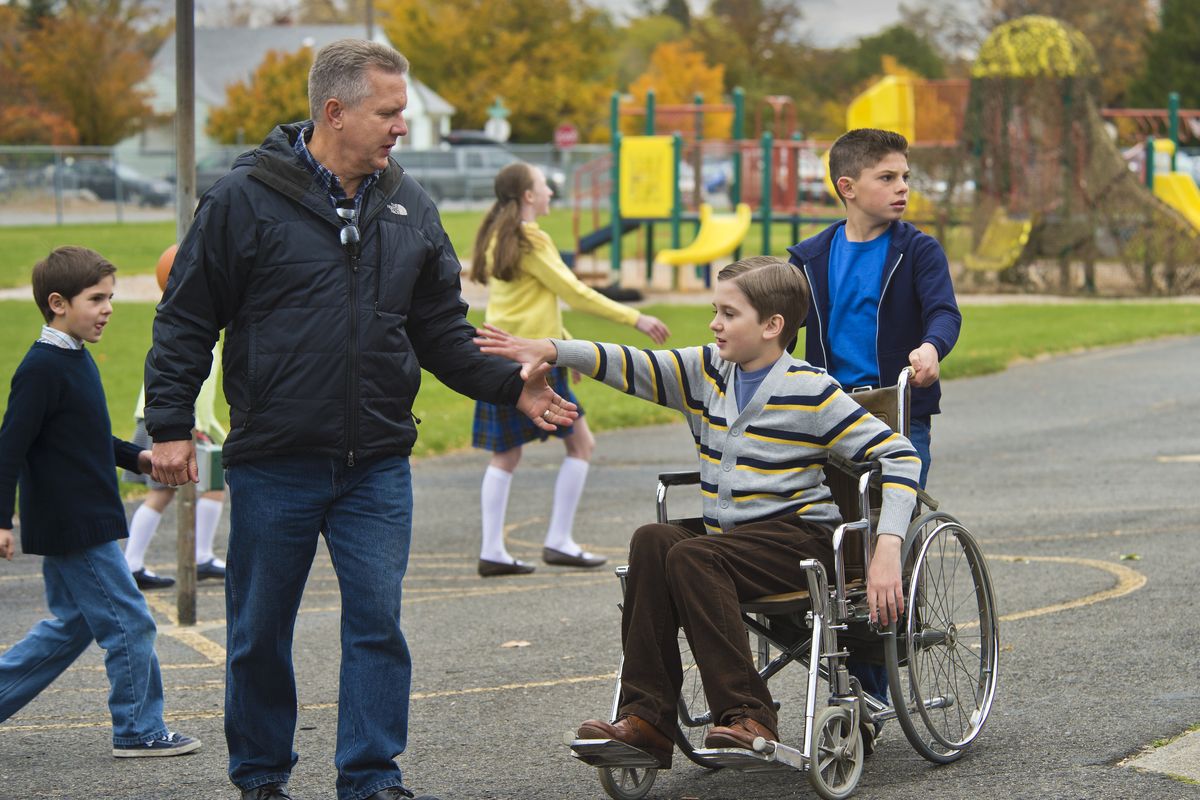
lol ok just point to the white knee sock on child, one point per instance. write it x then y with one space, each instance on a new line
494 505
141 531
208 515
568 488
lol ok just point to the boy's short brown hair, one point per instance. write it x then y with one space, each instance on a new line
68 271
861 149
773 287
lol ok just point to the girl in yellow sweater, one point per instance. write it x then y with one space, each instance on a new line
526 279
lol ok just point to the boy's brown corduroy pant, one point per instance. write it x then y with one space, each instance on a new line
678 578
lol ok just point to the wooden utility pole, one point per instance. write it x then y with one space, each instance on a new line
185 203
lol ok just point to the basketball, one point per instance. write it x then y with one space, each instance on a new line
164 266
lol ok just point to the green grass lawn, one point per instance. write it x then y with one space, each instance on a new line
135 246
993 337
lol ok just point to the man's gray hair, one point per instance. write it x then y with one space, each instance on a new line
340 71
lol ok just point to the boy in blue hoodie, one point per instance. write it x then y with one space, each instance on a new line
56 444
882 298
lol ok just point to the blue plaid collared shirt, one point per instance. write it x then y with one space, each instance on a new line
327 178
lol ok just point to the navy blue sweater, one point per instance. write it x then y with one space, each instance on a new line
56 442
916 305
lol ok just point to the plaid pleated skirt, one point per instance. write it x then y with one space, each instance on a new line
500 428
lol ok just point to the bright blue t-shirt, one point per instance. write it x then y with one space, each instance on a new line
855 285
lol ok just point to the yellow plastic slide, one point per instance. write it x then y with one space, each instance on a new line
720 235
1179 191
1003 242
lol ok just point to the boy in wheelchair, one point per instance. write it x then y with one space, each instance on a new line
764 424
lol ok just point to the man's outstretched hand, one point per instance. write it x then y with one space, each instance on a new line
537 401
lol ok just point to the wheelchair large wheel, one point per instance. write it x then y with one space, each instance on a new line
837 753
947 642
627 783
694 718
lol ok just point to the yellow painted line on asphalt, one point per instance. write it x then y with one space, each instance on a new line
1128 581
1193 458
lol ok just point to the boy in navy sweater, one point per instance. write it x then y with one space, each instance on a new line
882 296
56 444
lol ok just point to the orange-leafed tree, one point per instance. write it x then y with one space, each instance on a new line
549 60
277 92
30 125
86 65
677 73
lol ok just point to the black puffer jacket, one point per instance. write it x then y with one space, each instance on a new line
323 352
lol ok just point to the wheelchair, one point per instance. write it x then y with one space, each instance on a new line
941 657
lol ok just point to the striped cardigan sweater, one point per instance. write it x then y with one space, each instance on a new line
768 461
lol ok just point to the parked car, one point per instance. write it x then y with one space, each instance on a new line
467 172
109 181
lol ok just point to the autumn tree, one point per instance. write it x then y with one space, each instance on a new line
902 44
276 93
1115 29
1172 58
86 64
550 60
636 43
677 73
949 26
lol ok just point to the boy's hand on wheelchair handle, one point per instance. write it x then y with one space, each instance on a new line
925 365
885 590
7 545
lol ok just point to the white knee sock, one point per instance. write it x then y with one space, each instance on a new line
208 514
141 531
568 488
494 505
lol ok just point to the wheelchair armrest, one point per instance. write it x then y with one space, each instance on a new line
925 499
854 468
679 478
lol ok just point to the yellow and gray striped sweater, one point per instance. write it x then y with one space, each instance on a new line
767 461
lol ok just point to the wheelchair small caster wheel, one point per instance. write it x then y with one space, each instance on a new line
627 783
837 753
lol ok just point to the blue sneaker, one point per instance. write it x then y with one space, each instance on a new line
173 744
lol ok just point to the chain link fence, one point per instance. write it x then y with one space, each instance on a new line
59 185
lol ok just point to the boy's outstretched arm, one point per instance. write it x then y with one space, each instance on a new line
531 354
537 401
7 546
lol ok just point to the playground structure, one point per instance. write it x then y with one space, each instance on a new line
1021 152
654 180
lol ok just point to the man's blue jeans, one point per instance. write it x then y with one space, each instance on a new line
278 506
93 598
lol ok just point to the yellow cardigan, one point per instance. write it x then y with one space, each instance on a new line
528 306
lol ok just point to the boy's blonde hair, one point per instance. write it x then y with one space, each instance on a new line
68 271
861 149
772 286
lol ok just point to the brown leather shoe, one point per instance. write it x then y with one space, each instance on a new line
633 731
740 732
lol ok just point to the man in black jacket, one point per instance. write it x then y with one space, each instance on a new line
335 283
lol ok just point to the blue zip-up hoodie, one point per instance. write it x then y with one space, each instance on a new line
916 305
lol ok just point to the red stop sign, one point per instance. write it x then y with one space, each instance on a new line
566 136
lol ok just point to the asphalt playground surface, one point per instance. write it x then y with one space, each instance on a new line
1078 475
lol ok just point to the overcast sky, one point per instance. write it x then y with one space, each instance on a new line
825 23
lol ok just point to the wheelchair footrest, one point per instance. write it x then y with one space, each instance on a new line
742 760
609 753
